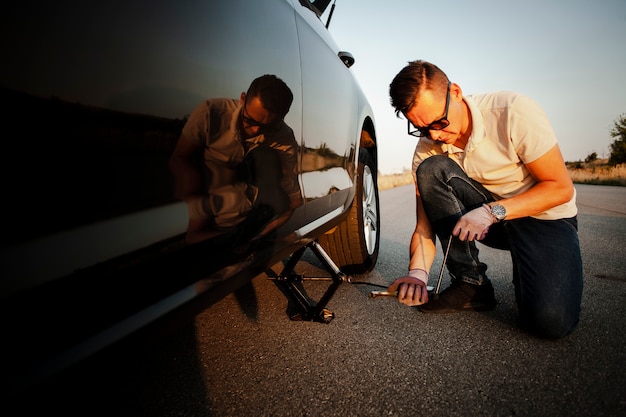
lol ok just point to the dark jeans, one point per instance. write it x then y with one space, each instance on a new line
547 264
262 168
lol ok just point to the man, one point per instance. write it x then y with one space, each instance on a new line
235 162
488 168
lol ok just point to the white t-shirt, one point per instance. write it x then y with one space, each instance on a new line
509 130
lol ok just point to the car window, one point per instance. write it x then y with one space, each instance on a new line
317 6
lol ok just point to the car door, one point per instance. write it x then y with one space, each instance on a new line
95 95
329 130
116 100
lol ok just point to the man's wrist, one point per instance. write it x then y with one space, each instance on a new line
497 211
420 274
494 219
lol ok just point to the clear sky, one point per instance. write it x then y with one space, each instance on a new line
568 55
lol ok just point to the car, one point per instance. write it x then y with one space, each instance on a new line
95 242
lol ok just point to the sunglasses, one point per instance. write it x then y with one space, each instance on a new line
436 125
250 122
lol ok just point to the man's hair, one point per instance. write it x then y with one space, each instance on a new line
415 78
274 94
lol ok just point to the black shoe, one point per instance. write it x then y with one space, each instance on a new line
461 296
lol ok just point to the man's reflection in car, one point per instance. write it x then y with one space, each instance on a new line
235 163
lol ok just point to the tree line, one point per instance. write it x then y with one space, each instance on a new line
618 147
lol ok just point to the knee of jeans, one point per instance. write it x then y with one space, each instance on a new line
434 164
550 323
433 170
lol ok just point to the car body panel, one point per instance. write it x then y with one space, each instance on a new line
95 96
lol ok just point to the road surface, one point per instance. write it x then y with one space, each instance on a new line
244 357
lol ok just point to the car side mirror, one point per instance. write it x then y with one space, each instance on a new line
346 58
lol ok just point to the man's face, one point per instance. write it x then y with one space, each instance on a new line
431 109
255 119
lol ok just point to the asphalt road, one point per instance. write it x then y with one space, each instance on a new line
244 357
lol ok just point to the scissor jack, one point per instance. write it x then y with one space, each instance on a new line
290 284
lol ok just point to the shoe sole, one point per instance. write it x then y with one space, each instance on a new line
471 307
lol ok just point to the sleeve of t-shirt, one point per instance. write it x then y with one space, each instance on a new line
531 131
197 127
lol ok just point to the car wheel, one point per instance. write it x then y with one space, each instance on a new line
353 245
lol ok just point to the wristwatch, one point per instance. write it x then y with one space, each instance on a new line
498 211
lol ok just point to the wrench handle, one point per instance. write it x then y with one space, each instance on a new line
375 294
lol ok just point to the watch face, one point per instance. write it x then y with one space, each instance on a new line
498 211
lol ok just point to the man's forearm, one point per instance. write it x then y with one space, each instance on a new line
422 252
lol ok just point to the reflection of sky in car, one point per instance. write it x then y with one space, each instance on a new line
185 47
319 184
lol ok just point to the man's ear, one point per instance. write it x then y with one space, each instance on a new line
242 98
456 92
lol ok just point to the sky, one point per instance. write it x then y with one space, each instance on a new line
568 55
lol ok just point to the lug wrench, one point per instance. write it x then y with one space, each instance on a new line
375 294
443 265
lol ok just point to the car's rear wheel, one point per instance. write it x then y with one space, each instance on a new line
353 245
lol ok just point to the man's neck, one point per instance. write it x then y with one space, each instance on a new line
466 127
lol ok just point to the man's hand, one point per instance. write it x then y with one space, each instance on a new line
412 291
474 225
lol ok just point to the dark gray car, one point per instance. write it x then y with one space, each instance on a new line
95 240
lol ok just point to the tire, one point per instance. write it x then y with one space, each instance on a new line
353 244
